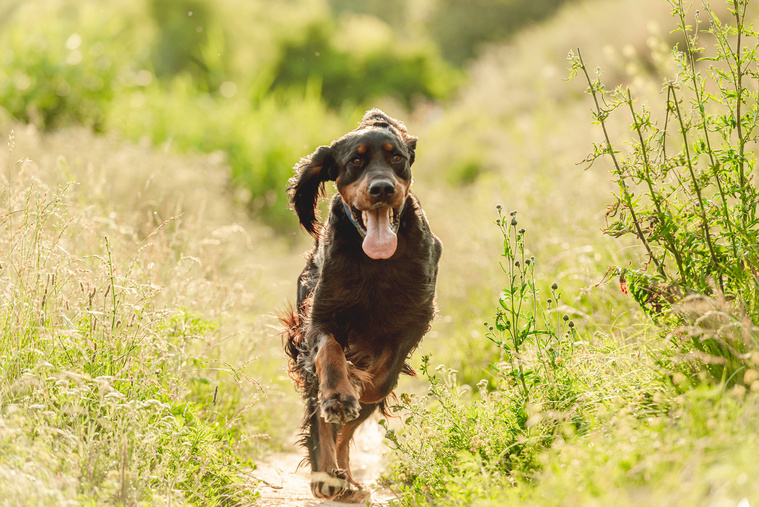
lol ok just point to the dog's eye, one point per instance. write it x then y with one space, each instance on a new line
397 158
356 161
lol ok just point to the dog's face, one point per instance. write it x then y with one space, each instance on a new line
372 170
374 180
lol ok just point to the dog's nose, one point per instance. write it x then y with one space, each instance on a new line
381 189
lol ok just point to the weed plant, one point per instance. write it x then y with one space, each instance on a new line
459 446
95 404
687 191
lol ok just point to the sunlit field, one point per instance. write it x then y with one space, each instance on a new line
147 248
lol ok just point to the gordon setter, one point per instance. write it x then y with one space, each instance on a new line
366 295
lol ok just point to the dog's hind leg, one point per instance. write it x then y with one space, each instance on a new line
327 479
329 449
357 493
344 437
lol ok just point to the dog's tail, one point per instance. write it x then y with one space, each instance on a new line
301 371
294 342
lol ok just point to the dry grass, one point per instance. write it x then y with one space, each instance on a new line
131 287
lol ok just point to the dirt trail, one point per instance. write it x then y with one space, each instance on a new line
283 485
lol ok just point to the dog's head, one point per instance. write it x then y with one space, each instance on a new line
372 169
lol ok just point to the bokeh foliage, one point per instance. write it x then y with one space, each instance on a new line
207 76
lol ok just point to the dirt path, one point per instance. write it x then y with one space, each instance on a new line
283 484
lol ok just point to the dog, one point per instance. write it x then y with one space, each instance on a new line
366 296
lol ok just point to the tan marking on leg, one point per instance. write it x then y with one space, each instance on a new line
337 397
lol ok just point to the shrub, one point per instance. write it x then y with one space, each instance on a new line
64 72
349 76
686 192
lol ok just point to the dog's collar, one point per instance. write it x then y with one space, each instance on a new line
349 213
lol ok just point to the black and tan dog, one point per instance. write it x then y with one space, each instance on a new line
366 295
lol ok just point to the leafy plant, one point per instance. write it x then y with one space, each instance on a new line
686 190
462 449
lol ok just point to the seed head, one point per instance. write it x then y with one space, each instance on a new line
514 221
513 213
554 286
571 324
521 231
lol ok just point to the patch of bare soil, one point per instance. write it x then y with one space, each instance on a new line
285 484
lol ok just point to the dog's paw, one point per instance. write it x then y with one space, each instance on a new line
339 408
328 485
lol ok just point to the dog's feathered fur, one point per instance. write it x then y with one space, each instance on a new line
357 318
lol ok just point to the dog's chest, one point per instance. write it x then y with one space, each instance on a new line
370 301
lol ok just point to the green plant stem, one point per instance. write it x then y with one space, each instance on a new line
697 89
654 195
696 187
739 18
515 313
113 285
628 199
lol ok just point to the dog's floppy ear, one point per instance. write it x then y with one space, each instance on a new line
307 185
411 145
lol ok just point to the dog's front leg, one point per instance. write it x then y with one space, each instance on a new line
338 399
337 404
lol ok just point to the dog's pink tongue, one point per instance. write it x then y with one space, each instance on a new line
380 241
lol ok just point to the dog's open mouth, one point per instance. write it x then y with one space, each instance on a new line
379 227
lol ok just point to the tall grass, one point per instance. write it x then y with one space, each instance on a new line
125 375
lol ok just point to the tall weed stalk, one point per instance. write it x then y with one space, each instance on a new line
460 446
687 190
